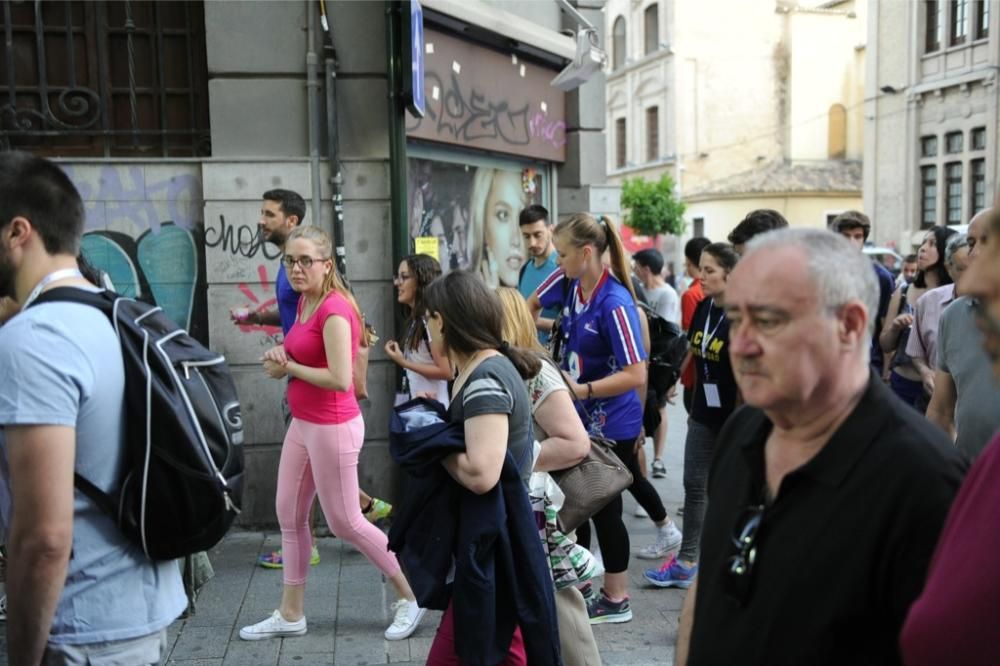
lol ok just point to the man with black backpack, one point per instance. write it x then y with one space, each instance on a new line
75 582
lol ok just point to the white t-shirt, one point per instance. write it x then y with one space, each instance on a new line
665 302
420 384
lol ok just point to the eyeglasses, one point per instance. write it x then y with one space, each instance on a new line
305 262
401 277
739 566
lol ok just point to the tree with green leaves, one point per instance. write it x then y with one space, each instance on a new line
651 207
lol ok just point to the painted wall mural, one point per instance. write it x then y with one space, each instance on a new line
144 229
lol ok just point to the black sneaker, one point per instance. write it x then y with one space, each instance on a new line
603 610
659 469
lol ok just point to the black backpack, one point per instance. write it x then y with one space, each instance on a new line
668 347
183 481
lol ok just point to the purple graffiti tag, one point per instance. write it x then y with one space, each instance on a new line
552 132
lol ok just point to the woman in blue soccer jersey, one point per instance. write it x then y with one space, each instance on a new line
604 361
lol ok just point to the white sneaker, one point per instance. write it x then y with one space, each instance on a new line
668 538
407 616
273 627
3 608
640 512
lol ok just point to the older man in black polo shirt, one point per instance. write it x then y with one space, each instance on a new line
826 494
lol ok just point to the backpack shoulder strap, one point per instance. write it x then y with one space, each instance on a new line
102 300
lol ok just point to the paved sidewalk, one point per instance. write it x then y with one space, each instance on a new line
347 602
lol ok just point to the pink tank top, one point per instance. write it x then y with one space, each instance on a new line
304 344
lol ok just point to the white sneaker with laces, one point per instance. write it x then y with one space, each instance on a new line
273 627
668 538
407 615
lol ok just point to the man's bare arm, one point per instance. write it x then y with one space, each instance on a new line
941 410
41 460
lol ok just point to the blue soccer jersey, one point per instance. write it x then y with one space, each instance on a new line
603 336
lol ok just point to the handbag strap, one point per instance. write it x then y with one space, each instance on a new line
576 401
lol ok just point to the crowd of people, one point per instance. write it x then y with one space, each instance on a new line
830 513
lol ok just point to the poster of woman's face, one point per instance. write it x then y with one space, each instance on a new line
473 212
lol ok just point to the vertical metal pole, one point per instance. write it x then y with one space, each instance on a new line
333 142
397 133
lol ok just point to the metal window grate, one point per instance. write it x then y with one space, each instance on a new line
652 133
978 190
620 153
953 192
116 78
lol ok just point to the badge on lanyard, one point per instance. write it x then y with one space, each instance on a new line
712 398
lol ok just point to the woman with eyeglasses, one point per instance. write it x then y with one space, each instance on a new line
490 400
427 371
321 447
715 398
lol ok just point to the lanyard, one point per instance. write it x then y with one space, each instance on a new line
62 274
706 336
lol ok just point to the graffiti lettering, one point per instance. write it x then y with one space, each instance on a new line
470 117
552 132
125 193
242 240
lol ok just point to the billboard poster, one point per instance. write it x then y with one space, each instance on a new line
472 211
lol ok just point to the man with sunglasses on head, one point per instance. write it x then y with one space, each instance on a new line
826 493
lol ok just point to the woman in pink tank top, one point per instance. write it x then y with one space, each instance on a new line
320 452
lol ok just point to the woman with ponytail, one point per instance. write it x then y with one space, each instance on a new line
321 447
604 360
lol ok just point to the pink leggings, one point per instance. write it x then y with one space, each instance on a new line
323 459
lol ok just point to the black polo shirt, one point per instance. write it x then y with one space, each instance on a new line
841 552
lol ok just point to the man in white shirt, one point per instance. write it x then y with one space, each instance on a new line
664 301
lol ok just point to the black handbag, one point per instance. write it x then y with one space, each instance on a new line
592 483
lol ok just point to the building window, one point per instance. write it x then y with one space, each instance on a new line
618 45
652 26
978 137
620 154
953 142
982 12
652 133
978 175
699 227
109 79
934 25
953 192
959 21
836 132
928 195
928 146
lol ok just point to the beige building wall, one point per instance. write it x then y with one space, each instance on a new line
826 59
719 216
713 80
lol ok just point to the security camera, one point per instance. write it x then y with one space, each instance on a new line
589 60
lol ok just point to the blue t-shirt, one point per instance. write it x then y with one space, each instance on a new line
886 285
603 336
288 300
62 365
531 277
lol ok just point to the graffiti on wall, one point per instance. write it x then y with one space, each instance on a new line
144 230
473 212
479 98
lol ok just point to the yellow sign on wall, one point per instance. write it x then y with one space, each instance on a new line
426 245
